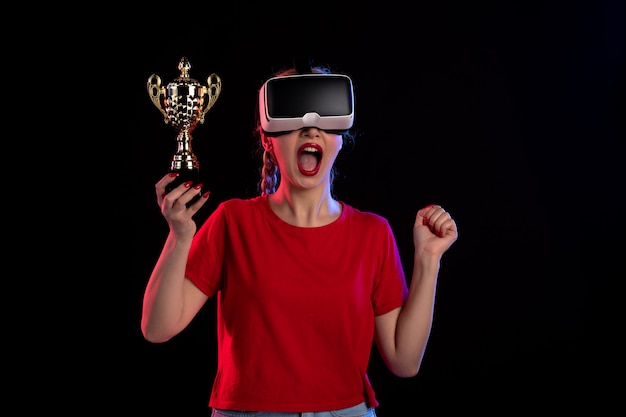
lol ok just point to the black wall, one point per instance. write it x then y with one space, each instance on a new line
510 115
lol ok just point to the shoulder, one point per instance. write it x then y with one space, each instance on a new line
241 209
365 217
241 204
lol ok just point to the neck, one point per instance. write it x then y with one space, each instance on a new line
305 208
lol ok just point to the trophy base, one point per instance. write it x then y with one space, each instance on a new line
185 175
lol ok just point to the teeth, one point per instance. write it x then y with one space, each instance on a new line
310 149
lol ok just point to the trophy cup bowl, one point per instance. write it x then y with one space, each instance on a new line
184 103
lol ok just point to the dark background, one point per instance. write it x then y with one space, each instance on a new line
508 114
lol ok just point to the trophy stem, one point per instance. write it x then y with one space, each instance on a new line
184 158
185 163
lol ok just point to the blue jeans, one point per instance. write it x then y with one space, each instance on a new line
360 410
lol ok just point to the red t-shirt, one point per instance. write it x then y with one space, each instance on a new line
296 306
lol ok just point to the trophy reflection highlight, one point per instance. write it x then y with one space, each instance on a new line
184 103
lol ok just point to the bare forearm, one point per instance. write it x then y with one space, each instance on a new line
163 306
416 317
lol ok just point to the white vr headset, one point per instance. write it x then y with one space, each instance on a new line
292 102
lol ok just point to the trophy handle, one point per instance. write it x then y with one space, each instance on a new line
212 91
155 90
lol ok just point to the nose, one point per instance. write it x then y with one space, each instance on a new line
310 131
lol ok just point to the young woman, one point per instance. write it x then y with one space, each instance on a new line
304 281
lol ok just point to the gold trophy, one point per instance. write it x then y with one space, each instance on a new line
184 102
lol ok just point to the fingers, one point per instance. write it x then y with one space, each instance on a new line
182 195
171 196
161 186
438 221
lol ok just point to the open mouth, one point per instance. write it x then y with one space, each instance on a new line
309 159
